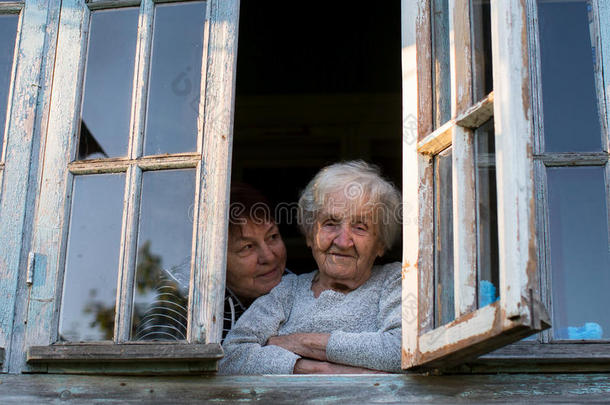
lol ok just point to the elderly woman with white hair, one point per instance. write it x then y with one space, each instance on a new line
344 317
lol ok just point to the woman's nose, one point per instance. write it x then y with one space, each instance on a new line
265 254
344 238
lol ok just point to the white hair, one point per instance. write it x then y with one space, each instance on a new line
359 181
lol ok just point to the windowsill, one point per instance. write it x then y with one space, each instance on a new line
153 358
534 357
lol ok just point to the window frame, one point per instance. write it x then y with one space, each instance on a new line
518 313
547 353
27 101
212 162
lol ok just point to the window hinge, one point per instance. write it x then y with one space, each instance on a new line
30 274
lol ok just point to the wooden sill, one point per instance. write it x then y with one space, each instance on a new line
533 357
129 358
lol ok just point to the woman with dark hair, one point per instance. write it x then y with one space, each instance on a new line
256 261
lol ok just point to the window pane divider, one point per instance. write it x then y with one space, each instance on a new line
478 114
438 140
573 159
140 78
441 138
118 165
128 255
104 4
13 7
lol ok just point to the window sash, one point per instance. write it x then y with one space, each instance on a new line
518 312
211 162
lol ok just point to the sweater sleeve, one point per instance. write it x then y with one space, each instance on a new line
379 350
244 348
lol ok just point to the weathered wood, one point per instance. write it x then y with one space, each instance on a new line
438 140
207 284
464 186
478 114
1 356
464 222
321 389
128 255
514 146
11 7
49 234
25 106
104 4
573 158
423 39
140 79
461 56
411 167
130 352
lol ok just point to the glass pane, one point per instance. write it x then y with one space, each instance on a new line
92 258
8 32
571 114
164 255
443 238
580 263
105 115
441 73
175 78
481 48
487 214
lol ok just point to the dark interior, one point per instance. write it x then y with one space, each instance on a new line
316 84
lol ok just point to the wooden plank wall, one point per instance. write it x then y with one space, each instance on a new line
325 389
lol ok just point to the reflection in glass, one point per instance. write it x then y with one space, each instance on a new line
481 48
569 98
106 110
487 214
8 31
175 78
92 258
580 262
164 251
443 238
440 55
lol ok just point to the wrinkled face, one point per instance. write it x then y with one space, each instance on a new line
345 241
256 259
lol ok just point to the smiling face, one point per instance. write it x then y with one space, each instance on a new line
345 243
256 259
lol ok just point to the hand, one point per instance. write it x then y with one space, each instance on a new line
310 345
307 366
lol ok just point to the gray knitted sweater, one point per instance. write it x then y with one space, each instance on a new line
364 325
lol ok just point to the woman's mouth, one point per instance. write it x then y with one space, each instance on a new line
270 274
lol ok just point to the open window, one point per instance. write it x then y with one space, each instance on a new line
136 162
470 280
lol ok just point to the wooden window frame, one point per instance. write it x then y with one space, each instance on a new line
28 97
546 353
211 161
518 313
